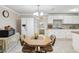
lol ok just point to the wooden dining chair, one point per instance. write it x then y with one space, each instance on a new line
47 48
21 40
25 47
28 49
53 38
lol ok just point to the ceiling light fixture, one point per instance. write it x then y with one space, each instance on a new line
38 13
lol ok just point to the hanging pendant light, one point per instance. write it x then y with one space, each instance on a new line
38 13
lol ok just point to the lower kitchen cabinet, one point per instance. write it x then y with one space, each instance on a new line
61 33
57 33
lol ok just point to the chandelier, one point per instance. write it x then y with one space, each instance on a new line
38 13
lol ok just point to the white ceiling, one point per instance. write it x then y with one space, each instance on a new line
30 9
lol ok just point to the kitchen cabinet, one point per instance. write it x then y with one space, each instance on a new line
68 34
57 17
50 19
58 33
61 33
71 20
75 41
57 24
65 19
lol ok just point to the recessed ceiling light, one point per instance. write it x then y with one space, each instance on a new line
74 10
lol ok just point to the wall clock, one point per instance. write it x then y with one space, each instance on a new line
5 13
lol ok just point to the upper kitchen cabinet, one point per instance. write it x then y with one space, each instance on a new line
54 17
71 20
50 19
57 17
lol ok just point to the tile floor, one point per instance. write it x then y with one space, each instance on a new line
61 46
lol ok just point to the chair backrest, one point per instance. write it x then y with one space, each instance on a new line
53 38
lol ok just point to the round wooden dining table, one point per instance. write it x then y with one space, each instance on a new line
37 43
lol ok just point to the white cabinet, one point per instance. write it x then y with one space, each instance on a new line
71 20
66 19
75 41
58 33
57 17
10 42
68 34
50 19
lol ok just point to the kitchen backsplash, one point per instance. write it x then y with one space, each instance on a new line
70 26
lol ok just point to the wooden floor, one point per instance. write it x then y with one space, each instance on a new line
61 46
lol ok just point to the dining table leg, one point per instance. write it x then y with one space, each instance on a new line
37 49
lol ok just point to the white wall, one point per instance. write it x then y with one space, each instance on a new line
12 20
60 33
5 22
29 31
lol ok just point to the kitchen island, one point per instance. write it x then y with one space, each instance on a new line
61 33
75 40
